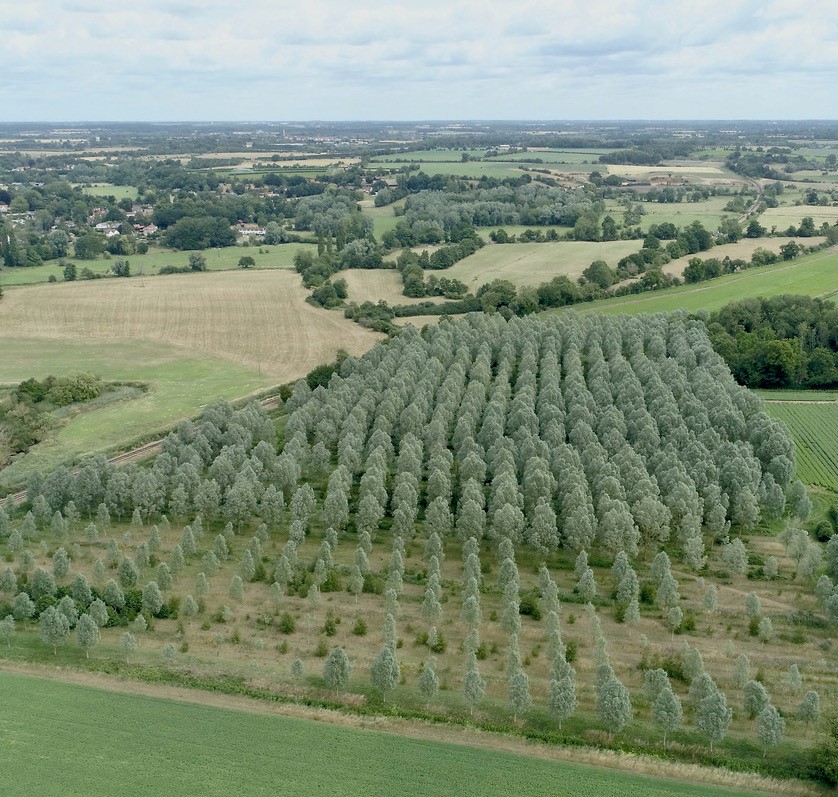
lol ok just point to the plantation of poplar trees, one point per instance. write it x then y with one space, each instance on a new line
609 434
450 483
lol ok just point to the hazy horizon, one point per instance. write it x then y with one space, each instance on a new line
196 60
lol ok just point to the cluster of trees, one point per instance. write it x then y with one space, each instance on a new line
431 216
25 417
783 341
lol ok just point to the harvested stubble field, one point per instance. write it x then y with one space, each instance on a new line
122 744
783 216
259 320
707 172
192 337
372 285
532 264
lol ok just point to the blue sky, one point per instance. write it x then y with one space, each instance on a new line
425 59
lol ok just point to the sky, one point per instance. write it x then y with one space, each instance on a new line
172 60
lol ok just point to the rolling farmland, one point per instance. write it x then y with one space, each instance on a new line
192 337
280 256
257 319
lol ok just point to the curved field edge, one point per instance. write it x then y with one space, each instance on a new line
813 275
129 733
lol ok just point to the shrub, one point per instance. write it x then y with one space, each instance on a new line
571 648
330 626
360 627
529 605
286 624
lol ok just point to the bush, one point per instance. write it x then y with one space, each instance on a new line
673 663
529 605
330 627
570 651
322 649
286 624
360 627
373 584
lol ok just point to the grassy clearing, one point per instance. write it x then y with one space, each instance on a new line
532 264
813 275
109 189
280 256
813 428
125 744
740 250
383 218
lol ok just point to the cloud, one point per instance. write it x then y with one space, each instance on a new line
209 59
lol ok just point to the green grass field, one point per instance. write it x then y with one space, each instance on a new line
814 275
109 189
180 383
74 740
813 428
278 256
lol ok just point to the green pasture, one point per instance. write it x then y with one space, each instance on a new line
278 256
383 218
813 428
76 740
428 155
814 275
181 383
517 229
109 189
